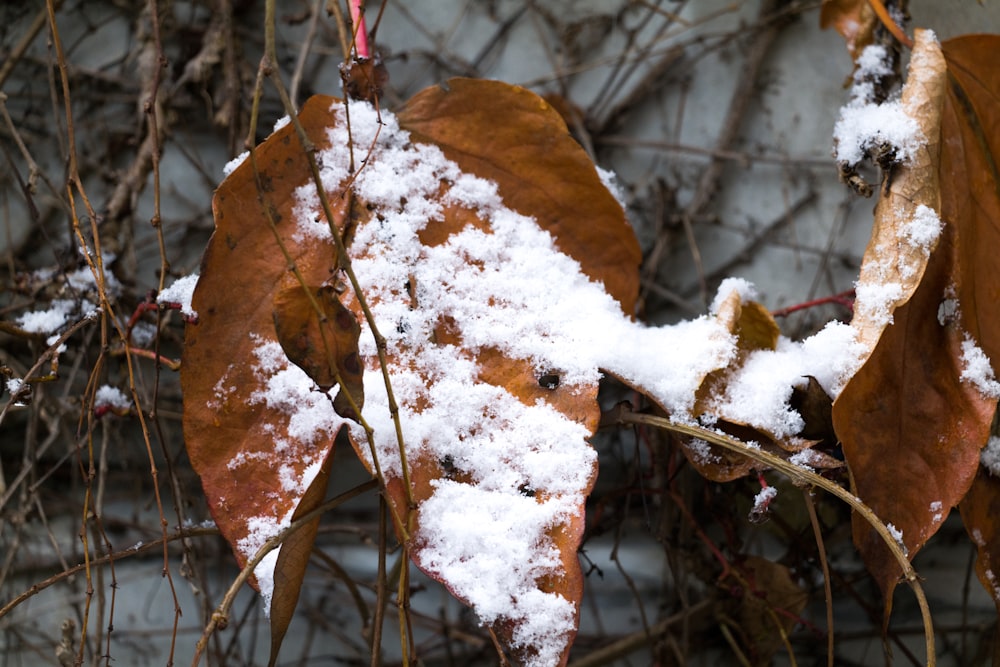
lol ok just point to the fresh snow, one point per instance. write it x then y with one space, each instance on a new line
180 292
111 397
864 125
990 456
977 369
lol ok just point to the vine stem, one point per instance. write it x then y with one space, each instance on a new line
622 414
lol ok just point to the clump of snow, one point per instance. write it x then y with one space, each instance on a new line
924 228
50 320
758 392
468 532
610 181
82 280
744 288
143 334
14 385
259 531
763 499
863 124
233 164
977 369
897 535
936 509
990 456
804 459
111 397
180 292
862 127
874 301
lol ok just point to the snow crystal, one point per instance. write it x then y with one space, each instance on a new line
48 321
977 369
232 165
862 127
701 450
764 498
111 397
742 287
924 228
990 456
281 122
936 508
180 292
610 181
897 535
948 309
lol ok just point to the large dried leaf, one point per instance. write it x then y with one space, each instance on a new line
913 419
493 406
911 426
768 611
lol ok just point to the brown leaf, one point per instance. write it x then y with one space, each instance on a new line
911 427
853 19
816 408
492 131
320 335
293 557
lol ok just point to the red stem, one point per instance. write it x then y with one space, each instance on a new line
361 48
845 299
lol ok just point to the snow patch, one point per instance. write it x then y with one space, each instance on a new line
180 292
